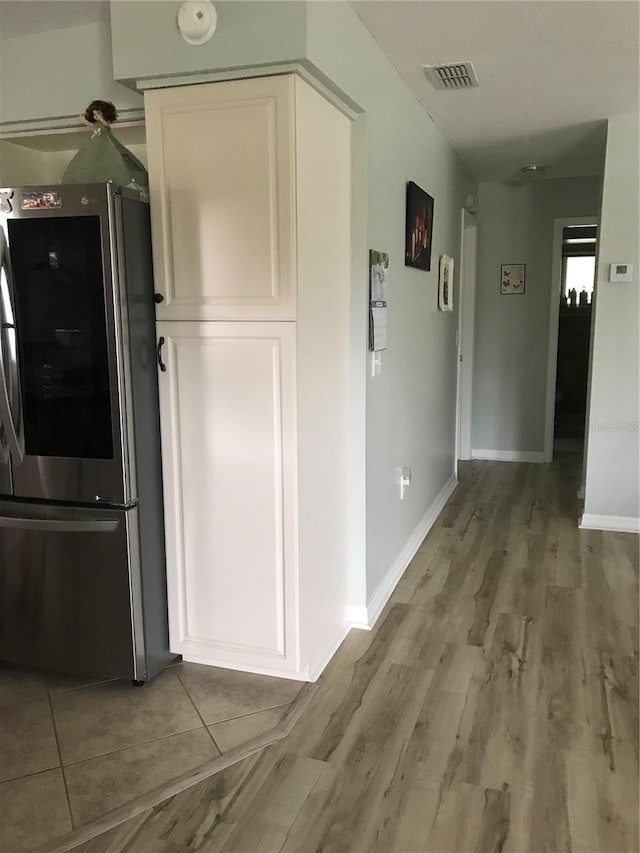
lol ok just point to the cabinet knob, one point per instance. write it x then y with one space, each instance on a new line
158 298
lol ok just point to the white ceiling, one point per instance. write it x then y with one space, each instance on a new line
550 72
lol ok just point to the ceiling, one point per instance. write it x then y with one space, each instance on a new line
550 72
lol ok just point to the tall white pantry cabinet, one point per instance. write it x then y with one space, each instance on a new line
250 201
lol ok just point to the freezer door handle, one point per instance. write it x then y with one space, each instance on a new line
51 525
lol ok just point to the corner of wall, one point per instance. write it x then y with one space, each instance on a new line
612 488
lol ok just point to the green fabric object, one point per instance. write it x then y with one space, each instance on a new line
102 158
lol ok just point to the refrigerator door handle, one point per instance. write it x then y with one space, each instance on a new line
4 434
50 525
4 445
6 417
15 430
8 343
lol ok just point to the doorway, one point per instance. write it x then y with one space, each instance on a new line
466 313
573 277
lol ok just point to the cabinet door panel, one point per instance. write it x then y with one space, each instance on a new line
228 432
222 198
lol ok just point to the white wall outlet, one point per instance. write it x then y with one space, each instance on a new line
620 273
405 481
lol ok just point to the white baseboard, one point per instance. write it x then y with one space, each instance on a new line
509 455
316 672
359 618
616 523
366 617
222 663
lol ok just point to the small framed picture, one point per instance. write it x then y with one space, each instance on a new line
512 278
378 286
378 276
445 284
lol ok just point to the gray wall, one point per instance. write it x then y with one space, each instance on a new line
146 42
512 331
613 463
57 74
410 406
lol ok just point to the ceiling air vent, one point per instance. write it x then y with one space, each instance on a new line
455 75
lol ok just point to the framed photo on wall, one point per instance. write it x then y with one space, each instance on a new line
445 284
419 228
512 278
378 287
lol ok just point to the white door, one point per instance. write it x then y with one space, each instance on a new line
222 185
466 320
227 407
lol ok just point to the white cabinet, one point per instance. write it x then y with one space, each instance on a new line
222 172
229 433
251 201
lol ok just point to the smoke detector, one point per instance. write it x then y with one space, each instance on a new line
197 21
533 169
453 75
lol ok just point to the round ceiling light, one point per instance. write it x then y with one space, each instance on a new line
197 21
533 169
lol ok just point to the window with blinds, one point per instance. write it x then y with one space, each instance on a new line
579 241
578 264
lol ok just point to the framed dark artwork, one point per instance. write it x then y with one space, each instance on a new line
419 228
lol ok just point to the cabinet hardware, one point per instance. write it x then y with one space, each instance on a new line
163 366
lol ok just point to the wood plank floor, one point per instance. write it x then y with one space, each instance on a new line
494 708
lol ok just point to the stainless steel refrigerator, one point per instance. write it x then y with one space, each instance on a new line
82 566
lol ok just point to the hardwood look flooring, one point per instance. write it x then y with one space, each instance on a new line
493 709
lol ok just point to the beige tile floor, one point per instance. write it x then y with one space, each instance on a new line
72 750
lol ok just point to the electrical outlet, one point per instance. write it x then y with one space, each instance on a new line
376 363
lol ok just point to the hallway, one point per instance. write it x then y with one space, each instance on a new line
493 708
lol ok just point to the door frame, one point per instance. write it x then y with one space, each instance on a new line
554 323
465 334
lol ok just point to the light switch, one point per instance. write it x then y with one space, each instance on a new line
405 481
376 363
